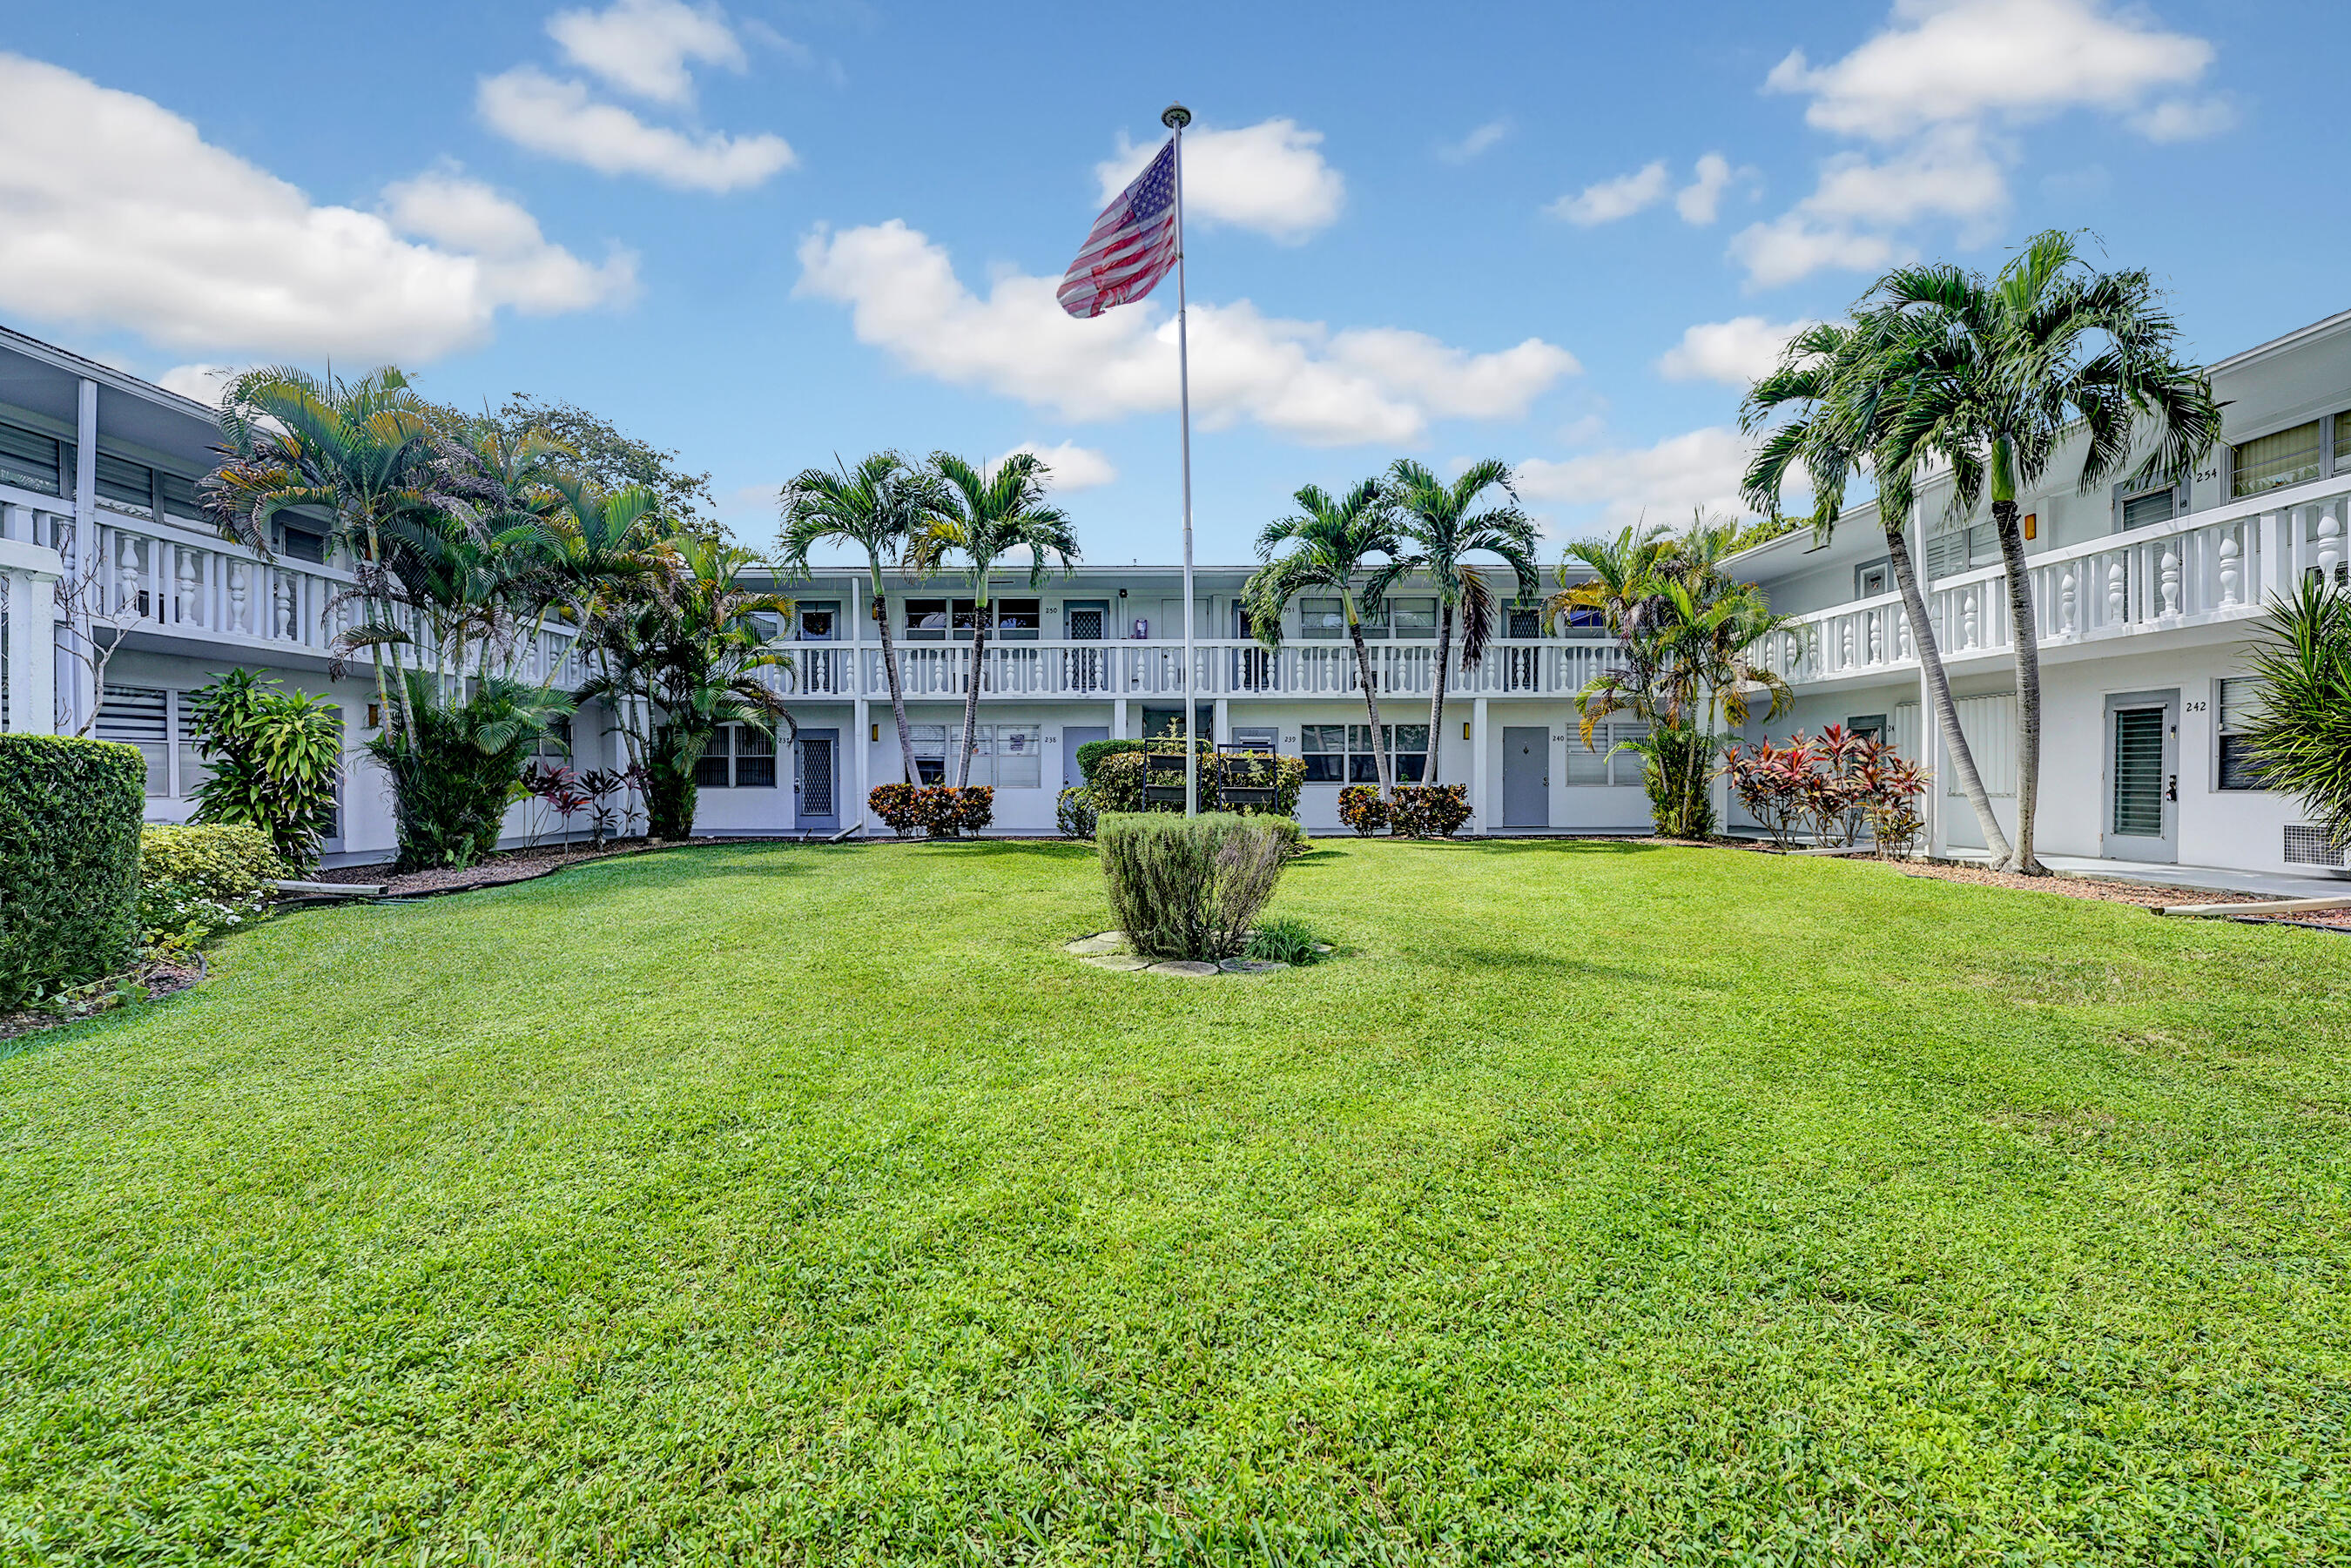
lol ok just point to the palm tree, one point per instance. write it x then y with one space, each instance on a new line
1332 542
882 506
361 451
1994 373
602 543
1442 528
2300 731
986 515
678 655
1839 383
1685 630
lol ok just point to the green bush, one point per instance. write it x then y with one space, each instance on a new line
1073 812
1091 753
1119 778
1361 808
69 819
274 756
1284 940
457 769
202 879
1428 811
1189 887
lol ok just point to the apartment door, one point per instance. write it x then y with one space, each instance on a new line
1073 736
815 780
2142 804
1085 622
1526 776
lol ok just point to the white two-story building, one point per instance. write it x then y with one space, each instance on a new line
2147 601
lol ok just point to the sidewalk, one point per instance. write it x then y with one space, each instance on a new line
2216 879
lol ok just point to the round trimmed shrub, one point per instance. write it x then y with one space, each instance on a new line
1189 887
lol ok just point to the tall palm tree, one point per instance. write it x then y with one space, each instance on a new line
1333 543
361 451
1841 389
604 543
1442 526
678 654
1995 374
986 515
882 506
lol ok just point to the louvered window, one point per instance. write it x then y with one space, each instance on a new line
1601 763
126 483
2144 511
2240 700
31 461
141 716
2285 457
179 494
1955 550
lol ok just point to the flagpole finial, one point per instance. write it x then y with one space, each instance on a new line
1175 117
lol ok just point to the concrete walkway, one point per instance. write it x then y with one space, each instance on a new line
2218 878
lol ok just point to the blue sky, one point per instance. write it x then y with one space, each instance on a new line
765 234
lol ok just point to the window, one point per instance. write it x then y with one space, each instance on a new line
178 495
1963 549
1016 619
1413 617
1322 617
125 483
1248 740
1526 621
2148 509
2343 440
1375 618
31 461
1873 579
1866 726
927 620
141 716
819 621
1601 762
765 625
737 757
2240 698
1341 753
1007 756
930 744
2269 462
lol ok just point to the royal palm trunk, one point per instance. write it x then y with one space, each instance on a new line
1371 707
971 699
1437 690
2026 642
897 691
1939 691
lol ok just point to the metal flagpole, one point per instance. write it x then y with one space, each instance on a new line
1176 119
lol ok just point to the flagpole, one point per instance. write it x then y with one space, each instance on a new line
1176 119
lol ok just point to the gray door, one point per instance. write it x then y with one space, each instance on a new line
1073 736
815 782
2142 805
1526 776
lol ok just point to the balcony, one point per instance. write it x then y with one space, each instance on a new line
1221 668
2219 565
175 579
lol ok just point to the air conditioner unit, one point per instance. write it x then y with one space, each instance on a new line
2306 845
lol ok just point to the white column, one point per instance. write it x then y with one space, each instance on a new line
862 749
81 699
29 574
1223 720
1118 718
1479 816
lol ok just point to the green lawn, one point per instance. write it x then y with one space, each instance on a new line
796 1204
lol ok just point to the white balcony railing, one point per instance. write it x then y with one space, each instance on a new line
174 580
2223 563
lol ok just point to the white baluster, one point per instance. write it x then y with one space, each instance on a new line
285 605
126 572
1967 618
2330 544
2115 579
2065 596
2168 578
1845 642
2232 567
1877 636
240 577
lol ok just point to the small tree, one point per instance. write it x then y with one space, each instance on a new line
275 757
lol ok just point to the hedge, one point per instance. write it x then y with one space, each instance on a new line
69 820
1094 751
197 880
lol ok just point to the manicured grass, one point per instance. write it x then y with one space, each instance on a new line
782 1203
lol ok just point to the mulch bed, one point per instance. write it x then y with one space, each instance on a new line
506 866
152 979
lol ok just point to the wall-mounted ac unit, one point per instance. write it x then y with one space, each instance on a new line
2306 845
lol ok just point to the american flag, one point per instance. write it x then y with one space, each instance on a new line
1132 245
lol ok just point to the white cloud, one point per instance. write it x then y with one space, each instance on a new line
1298 378
1612 199
1074 467
1943 61
1931 86
1735 352
1477 141
559 119
1700 469
643 46
1701 199
1793 245
201 382
2185 119
116 213
1269 177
